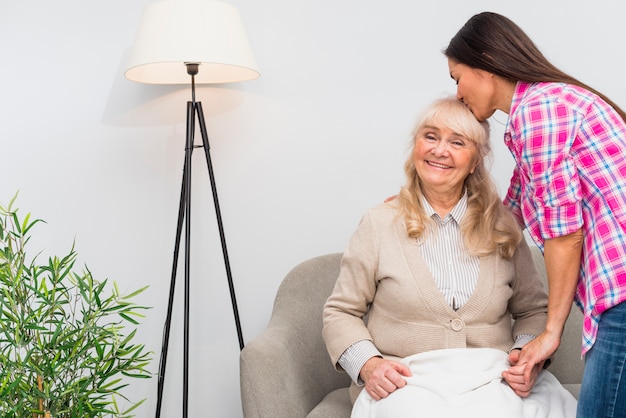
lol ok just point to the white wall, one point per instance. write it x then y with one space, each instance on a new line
299 154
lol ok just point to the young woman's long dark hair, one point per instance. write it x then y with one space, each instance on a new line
494 43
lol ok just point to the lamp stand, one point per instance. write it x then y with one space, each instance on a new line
194 109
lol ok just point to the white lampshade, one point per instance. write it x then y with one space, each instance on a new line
175 32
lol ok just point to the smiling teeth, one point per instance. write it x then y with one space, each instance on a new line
438 165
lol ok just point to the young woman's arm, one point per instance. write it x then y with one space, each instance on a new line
562 257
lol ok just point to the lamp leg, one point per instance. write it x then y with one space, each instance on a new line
183 218
170 304
188 153
218 214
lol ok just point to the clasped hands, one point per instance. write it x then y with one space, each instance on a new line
527 363
521 377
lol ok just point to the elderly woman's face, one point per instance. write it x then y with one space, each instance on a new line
443 159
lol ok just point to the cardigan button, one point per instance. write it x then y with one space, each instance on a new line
456 324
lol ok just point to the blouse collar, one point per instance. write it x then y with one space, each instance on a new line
456 213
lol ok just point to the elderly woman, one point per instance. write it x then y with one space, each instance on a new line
444 265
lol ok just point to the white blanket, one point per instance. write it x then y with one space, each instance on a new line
466 383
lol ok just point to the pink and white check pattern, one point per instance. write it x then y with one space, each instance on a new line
570 149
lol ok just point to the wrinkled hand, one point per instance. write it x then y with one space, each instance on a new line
527 363
383 377
514 376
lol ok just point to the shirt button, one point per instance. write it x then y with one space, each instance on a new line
456 324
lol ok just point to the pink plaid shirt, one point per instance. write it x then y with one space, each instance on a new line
570 149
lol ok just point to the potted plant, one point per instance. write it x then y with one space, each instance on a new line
65 346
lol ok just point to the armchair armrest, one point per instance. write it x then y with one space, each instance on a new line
286 370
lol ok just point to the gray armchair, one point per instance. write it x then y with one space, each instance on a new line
286 371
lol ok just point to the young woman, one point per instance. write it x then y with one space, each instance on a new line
568 189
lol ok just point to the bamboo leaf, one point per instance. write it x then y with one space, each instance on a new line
128 318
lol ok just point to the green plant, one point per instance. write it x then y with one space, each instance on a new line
63 347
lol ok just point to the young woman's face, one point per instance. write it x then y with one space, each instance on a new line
443 159
477 89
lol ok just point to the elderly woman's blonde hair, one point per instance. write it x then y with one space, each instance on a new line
488 226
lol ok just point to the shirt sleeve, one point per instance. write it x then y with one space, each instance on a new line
521 341
550 129
355 356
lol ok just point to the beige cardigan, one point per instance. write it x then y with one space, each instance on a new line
383 276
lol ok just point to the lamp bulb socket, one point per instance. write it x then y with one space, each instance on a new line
192 68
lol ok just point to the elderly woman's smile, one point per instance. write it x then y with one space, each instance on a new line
443 159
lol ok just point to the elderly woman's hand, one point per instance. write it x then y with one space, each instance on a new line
383 377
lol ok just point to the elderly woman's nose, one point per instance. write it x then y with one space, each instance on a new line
440 148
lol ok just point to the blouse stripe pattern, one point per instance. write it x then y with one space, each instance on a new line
455 271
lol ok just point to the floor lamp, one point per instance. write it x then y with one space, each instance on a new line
182 42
